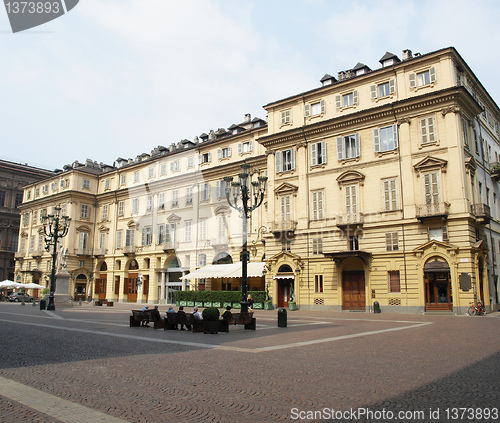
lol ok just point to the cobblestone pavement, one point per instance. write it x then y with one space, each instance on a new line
87 360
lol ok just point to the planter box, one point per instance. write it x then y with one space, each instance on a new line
190 303
258 306
207 304
268 305
227 304
236 305
198 303
210 326
292 306
216 304
183 303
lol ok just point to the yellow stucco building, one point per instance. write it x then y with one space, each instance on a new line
382 187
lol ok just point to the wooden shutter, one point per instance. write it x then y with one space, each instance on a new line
117 285
395 132
200 159
358 145
145 285
250 145
314 154
340 148
307 110
218 189
292 158
240 148
209 156
413 80
279 161
376 140
323 108
338 101
229 151
219 153
373 91
126 283
355 96
432 73
430 129
392 86
323 152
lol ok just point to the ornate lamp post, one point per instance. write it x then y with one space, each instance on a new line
251 198
54 227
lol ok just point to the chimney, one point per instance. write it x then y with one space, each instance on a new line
248 118
407 55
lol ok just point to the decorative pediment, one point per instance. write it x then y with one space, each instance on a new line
351 177
83 228
103 228
131 224
173 218
434 245
430 163
481 246
470 165
222 210
285 188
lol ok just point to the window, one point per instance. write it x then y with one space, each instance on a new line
353 243
83 240
422 79
394 281
317 245
224 153
160 230
102 241
163 169
438 234
35 216
286 117
81 263
314 109
465 129
317 205
123 179
26 219
285 208
222 226
86 184
32 243
189 195
427 133
170 229
137 176
202 232
130 238
40 242
53 186
161 201
151 172
245 147
383 90
23 245
202 260
105 208
318 283
107 184
346 100
119 239
390 195
45 189
37 192
285 160
175 166
121 207
2 198
391 241
63 209
205 158
149 203
431 188
318 153
147 235
385 138
43 213
220 188
348 147
84 211
286 246
135 205
351 199
175 198
188 230
190 163
204 192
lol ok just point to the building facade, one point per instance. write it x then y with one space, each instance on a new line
382 187
13 177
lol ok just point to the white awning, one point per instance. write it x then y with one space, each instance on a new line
232 270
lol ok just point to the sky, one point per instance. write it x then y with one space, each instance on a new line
116 78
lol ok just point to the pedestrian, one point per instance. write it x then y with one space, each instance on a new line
250 302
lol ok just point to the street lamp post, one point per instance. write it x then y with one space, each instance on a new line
251 198
54 227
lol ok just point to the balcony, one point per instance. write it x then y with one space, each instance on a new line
100 252
433 210
495 171
481 212
220 241
19 255
36 254
284 229
87 252
350 219
169 246
129 250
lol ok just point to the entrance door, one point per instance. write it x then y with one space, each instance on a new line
80 291
100 287
438 291
353 291
130 287
284 292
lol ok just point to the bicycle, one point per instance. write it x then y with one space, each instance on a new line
476 309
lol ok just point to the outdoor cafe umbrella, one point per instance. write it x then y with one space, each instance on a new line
10 284
33 285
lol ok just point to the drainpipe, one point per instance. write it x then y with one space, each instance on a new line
307 206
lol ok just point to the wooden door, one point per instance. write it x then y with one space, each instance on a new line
438 291
353 291
283 292
131 287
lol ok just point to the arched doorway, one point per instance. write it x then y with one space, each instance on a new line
100 283
437 280
130 283
222 258
80 287
285 279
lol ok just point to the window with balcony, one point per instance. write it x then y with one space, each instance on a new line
351 199
130 237
431 188
147 235
286 208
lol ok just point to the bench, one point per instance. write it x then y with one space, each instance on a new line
245 319
138 317
174 319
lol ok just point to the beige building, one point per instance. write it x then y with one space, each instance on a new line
382 188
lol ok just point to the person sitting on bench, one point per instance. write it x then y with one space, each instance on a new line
227 313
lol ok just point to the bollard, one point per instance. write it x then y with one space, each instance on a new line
376 307
282 318
22 302
43 304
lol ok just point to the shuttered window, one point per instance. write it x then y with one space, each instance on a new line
318 153
427 132
390 195
394 281
351 199
317 205
385 138
431 187
348 147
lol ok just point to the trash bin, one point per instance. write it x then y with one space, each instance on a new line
376 307
43 304
282 318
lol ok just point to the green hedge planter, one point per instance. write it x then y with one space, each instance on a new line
236 305
198 303
258 306
183 303
190 303
216 304
268 305
292 306
227 305
207 304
